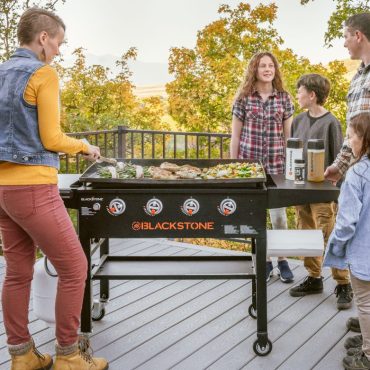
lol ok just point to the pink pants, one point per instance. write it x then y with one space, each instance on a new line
30 216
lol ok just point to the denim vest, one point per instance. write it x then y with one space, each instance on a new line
19 131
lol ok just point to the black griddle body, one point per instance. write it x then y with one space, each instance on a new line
97 207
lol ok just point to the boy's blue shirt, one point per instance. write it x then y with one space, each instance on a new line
349 243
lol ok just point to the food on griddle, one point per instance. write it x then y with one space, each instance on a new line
112 171
234 171
171 171
172 167
123 170
187 167
139 172
184 174
161 174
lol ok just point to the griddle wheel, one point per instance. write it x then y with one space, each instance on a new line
252 311
98 311
262 351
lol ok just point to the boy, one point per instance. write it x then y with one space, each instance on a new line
318 123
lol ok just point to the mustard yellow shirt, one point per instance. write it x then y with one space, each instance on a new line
43 90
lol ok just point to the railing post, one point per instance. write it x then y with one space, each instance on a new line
121 131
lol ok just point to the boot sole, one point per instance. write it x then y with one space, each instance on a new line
302 294
47 367
286 281
344 306
347 367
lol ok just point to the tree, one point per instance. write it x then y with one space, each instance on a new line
207 77
344 9
93 99
10 12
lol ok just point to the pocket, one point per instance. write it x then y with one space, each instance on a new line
20 203
279 117
252 113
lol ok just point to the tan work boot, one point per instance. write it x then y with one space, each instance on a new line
79 359
27 357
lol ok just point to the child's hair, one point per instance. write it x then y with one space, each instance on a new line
360 124
359 22
35 20
316 83
250 78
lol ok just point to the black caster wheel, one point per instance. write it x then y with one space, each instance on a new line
252 311
262 351
97 316
98 311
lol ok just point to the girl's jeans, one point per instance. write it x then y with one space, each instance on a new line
30 216
361 290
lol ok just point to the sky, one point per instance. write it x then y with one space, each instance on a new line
110 27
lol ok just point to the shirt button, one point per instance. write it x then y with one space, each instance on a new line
15 156
25 159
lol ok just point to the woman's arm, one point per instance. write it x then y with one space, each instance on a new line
287 128
236 130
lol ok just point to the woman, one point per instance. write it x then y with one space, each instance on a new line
262 116
31 210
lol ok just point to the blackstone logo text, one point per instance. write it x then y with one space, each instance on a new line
144 225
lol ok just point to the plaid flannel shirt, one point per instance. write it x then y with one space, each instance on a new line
358 101
262 134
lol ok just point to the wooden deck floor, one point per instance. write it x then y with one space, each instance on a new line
157 325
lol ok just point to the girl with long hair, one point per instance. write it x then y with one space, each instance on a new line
262 117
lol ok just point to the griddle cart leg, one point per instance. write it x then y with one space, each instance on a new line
86 305
98 310
262 346
252 310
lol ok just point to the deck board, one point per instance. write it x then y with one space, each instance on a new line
204 324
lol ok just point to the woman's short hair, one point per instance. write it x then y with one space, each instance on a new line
35 20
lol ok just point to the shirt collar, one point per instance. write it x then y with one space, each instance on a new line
363 68
24 53
255 92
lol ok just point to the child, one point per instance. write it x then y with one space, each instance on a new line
262 116
318 123
348 245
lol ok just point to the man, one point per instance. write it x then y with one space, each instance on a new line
357 42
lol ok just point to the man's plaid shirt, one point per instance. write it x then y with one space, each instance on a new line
358 101
262 135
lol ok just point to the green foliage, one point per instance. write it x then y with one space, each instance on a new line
343 10
10 12
207 77
93 99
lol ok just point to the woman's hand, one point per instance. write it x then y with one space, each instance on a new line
93 153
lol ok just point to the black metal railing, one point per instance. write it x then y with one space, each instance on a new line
123 142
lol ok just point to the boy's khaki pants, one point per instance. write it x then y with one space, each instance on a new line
319 216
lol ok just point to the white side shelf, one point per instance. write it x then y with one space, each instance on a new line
291 243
